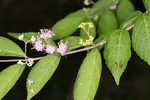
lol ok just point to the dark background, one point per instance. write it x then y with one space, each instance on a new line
32 15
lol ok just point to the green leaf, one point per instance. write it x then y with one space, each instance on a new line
131 20
104 3
9 77
88 29
68 25
78 13
117 52
9 48
99 7
88 76
73 42
125 8
99 39
141 37
27 35
107 22
41 73
147 4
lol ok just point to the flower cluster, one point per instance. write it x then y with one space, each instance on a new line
91 38
45 33
46 47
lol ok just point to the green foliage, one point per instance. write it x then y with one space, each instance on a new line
73 42
107 22
104 3
125 8
26 36
117 50
147 4
131 20
88 77
9 48
99 7
41 73
9 77
117 53
100 39
141 37
68 25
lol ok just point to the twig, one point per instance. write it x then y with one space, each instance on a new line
16 60
130 27
25 49
67 53
85 49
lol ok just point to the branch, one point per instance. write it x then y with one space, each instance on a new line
85 49
67 53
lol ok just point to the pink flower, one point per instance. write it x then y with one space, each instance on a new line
62 48
49 49
38 45
45 33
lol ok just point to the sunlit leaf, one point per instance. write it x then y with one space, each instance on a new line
141 37
73 42
117 52
9 77
131 20
147 4
100 6
104 3
125 8
100 39
88 76
9 48
41 73
107 22
68 25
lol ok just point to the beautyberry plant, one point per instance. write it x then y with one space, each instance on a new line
105 24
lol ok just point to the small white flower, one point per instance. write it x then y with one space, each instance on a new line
32 91
21 37
33 39
20 62
113 7
30 82
30 62
88 2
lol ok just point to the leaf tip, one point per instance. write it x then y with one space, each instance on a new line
117 80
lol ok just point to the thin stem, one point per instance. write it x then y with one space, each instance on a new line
130 27
67 53
16 60
25 49
85 49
